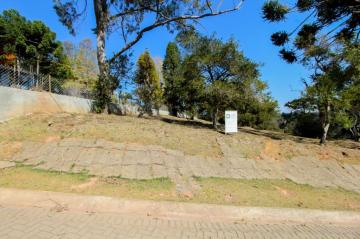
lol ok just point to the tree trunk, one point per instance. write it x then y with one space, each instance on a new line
37 71
38 66
214 118
148 109
355 129
101 12
324 133
355 133
100 7
325 124
174 112
18 68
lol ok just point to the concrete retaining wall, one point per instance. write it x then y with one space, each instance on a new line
18 102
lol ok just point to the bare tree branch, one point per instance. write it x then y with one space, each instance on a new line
302 23
209 6
140 34
124 13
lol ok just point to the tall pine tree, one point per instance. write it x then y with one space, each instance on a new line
172 79
148 84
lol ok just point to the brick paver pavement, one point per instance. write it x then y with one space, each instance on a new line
44 223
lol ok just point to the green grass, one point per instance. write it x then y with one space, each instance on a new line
275 193
23 177
240 192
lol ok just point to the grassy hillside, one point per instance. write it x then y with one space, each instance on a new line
191 137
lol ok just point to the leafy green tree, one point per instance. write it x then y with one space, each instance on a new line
318 42
218 97
12 29
134 19
216 61
323 94
229 80
351 95
148 84
192 87
173 79
34 45
335 19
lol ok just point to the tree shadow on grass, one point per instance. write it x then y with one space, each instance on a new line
185 122
298 139
265 133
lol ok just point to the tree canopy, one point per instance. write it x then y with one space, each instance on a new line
133 19
334 20
32 44
173 79
228 79
321 42
332 89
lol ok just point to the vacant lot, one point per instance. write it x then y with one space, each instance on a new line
171 133
251 168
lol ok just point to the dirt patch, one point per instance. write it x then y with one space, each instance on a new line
285 192
277 145
81 187
325 153
271 151
7 150
52 139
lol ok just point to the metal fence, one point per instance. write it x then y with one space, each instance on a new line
21 79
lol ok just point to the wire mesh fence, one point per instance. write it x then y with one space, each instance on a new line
21 79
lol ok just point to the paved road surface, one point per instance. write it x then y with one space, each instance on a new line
16 223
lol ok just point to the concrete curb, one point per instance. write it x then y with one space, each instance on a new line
173 210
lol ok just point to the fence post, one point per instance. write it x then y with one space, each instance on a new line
50 83
37 81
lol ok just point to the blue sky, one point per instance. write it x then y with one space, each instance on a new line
245 25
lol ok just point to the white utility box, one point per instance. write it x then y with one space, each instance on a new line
231 122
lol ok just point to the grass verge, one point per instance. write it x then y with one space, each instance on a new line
275 193
24 177
239 192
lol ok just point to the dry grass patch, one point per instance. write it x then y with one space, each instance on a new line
126 129
191 137
280 146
